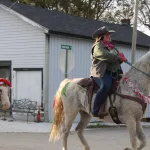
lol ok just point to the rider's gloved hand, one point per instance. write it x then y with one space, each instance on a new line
122 57
121 54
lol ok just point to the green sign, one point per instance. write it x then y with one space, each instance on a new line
67 47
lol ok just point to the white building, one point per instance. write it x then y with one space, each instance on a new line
31 48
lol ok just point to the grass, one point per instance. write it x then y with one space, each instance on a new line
98 125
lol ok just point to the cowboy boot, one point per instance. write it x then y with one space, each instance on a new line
102 113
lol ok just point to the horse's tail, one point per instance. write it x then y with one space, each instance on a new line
58 113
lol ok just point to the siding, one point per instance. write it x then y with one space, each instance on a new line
127 52
82 51
80 48
21 42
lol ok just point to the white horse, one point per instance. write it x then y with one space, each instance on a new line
71 99
4 94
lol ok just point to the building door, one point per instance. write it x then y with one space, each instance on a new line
28 84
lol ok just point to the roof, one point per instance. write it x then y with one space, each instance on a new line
61 23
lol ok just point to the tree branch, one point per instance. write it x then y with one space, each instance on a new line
105 7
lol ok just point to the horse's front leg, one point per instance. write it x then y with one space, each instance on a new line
131 125
140 135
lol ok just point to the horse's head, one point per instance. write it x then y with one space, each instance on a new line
147 62
140 72
4 93
4 98
146 68
144 63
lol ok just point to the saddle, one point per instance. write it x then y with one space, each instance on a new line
91 87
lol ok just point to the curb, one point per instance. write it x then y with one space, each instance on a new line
105 125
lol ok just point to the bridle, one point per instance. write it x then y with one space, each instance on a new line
137 68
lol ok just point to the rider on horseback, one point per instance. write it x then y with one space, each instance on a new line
106 60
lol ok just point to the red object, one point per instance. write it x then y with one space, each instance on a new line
54 102
108 44
125 78
121 54
122 57
38 117
5 81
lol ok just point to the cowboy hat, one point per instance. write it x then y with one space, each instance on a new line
101 31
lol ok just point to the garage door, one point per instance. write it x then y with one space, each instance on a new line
28 84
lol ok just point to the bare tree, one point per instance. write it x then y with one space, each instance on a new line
106 10
92 9
120 9
144 16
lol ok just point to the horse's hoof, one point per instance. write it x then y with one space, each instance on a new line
128 148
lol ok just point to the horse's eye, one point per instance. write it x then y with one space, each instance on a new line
0 90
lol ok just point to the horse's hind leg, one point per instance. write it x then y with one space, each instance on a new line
140 135
131 125
69 118
84 120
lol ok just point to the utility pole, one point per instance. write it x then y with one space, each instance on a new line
66 65
14 4
134 36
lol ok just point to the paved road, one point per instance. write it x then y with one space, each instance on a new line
99 139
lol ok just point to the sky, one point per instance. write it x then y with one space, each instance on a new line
144 30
